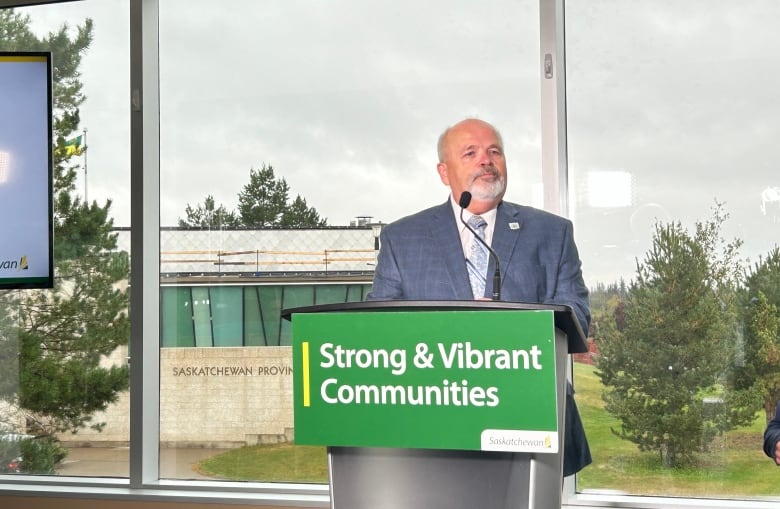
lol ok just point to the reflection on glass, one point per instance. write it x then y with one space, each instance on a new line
3 166
661 112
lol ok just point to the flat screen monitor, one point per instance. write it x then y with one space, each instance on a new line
26 257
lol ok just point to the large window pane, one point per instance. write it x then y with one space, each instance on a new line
68 385
177 324
226 310
201 316
253 318
345 101
672 111
271 309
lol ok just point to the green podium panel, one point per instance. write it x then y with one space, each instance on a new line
465 380
435 405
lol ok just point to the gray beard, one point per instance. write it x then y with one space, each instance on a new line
488 191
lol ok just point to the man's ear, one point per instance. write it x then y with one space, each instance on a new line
443 175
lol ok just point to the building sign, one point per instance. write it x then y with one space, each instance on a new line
468 380
231 370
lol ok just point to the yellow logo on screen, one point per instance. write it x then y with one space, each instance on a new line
13 264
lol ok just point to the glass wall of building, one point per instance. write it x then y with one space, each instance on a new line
241 315
345 101
277 112
671 119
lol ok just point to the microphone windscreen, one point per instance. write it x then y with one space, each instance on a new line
465 199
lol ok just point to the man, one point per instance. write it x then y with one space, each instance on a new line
425 256
772 437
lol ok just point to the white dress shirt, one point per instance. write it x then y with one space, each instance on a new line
466 236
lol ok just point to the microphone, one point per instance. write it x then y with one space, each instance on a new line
465 199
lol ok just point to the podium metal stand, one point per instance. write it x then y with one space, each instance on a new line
390 478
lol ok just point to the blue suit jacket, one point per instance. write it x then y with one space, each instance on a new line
421 258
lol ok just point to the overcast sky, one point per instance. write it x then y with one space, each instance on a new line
346 100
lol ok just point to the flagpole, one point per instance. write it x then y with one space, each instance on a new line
84 152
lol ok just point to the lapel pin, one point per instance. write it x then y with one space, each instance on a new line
514 226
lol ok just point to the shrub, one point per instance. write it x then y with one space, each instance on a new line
41 455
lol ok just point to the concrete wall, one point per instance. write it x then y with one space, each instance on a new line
211 397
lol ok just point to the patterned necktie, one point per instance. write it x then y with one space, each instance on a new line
478 258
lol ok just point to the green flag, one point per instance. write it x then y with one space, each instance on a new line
74 146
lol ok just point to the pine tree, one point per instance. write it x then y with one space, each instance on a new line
761 304
263 200
262 203
208 216
299 214
664 368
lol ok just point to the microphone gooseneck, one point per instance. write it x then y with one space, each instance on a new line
464 201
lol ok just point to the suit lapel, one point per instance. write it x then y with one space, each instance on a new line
509 225
444 233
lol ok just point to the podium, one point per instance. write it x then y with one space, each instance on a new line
448 439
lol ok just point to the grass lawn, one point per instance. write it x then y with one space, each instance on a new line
271 463
735 467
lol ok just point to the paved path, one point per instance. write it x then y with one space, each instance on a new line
115 462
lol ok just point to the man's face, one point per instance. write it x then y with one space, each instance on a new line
474 161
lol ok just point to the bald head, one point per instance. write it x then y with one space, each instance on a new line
443 144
